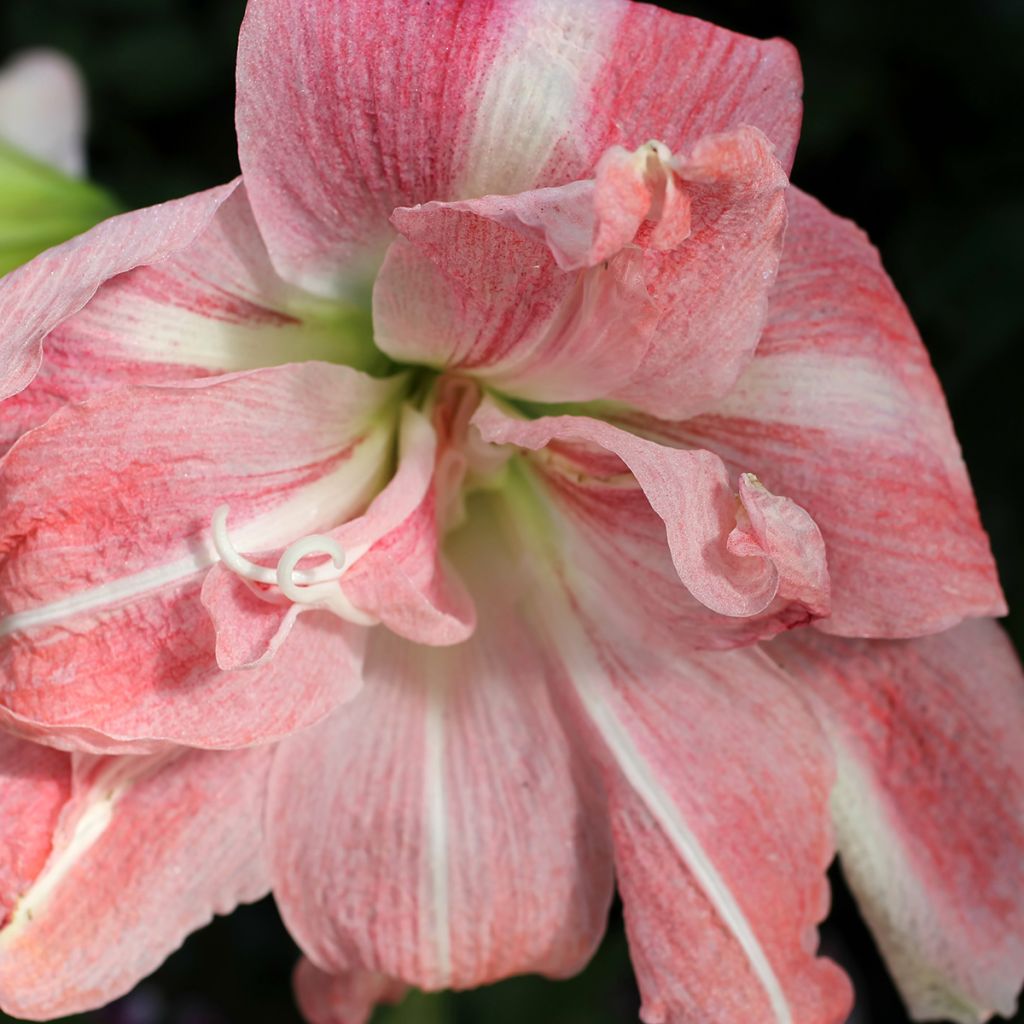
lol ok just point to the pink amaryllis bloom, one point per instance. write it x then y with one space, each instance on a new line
509 488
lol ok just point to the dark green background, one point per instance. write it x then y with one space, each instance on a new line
912 128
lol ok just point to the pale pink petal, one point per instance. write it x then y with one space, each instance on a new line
464 291
433 830
536 295
36 298
146 850
841 410
347 998
717 780
42 109
35 783
104 552
730 565
508 96
929 808
216 306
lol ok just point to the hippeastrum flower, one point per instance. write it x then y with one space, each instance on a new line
404 528
42 158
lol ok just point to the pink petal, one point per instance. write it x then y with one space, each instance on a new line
717 781
36 298
507 97
733 567
842 410
535 293
146 850
432 830
42 109
464 291
214 307
347 998
105 642
929 809
35 783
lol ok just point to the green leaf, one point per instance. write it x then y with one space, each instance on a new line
41 207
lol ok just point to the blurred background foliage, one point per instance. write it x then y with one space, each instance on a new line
912 128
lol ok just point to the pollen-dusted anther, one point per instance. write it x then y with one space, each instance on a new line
314 587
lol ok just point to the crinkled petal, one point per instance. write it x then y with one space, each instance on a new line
929 806
734 554
107 534
841 410
217 306
145 850
35 783
434 829
534 294
347 998
510 95
36 298
42 109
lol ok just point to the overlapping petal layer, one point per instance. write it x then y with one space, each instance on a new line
538 295
717 781
929 806
145 850
841 410
214 307
509 95
738 555
103 633
38 297
438 828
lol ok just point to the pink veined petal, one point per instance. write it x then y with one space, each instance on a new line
434 829
347 998
717 781
35 783
734 566
929 807
216 306
841 409
395 572
145 850
538 295
42 109
36 298
104 642
464 291
511 95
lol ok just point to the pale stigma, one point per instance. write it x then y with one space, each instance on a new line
315 588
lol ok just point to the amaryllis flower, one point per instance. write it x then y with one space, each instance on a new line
42 157
510 486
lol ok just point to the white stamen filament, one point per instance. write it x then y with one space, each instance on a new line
317 586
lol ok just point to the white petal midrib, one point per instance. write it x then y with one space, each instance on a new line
641 777
304 511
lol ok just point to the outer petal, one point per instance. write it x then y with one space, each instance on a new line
347 998
104 552
214 307
42 109
433 830
38 297
729 564
717 782
841 409
929 808
35 783
510 95
145 851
